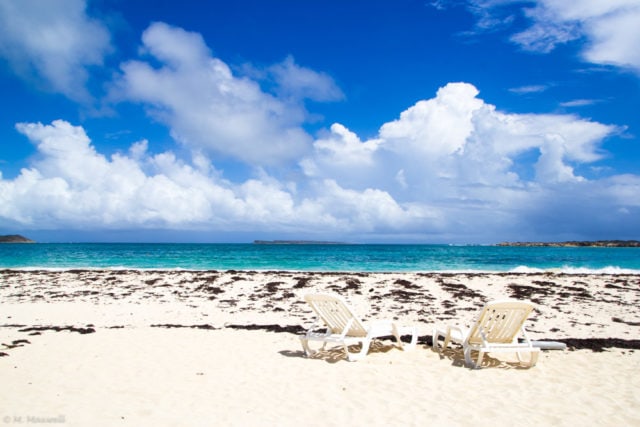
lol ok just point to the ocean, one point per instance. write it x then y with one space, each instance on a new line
319 257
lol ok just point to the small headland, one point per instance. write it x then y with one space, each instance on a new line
296 242
575 244
15 238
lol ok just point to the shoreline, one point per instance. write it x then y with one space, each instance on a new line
568 306
608 270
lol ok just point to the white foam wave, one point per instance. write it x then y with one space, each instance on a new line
522 269
576 270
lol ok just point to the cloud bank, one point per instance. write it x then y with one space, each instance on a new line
449 168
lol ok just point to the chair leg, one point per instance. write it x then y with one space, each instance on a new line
469 361
305 346
308 351
467 357
434 343
414 337
396 334
447 340
359 355
436 335
533 358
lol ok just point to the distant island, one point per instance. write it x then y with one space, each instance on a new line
596 243
15 238
295 242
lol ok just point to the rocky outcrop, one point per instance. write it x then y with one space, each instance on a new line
596 243
295 242
15 238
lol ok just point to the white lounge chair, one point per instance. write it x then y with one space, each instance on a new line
336 323
496 329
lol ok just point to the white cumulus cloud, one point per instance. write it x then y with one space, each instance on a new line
210 109
466 165
73 186
54 42
457 138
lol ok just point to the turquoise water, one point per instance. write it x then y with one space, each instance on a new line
382 258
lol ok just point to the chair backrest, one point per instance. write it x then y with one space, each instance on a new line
500 321
336 314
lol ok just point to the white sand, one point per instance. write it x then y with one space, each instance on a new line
179 377
130 373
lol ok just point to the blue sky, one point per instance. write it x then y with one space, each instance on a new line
473 121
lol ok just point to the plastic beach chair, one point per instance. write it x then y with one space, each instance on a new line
497 329
337 323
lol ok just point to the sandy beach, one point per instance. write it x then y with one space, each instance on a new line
164 348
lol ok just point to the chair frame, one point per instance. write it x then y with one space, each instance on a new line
496 330
337 323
